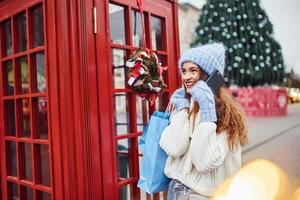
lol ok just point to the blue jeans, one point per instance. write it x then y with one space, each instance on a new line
178 191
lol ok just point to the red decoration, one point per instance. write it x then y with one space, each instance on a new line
146 74
262 101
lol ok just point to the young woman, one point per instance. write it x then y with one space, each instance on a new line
203 141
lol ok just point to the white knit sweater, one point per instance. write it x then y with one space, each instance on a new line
199 158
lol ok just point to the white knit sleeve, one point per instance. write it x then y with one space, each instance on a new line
208 150
175 138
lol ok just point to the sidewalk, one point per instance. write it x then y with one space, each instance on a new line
277 139
263 129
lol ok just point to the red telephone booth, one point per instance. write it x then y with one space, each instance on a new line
69 123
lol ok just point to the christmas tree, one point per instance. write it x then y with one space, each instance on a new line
253 56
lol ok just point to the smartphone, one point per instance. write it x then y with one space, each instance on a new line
215 81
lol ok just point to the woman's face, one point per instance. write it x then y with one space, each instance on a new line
191 74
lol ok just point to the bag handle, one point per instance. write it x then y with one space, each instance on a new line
169 109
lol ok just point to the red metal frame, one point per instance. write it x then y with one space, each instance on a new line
12 10
81 132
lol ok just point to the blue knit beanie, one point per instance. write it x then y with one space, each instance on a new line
209 57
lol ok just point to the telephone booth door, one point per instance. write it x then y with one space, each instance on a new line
128 112
25 137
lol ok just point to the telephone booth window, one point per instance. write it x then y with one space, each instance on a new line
7 38
131 112
27 148
117 29
156 34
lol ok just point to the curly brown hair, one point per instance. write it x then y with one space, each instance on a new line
231 119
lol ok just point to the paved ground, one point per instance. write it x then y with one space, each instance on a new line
277 139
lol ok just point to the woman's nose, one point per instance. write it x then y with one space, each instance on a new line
187 75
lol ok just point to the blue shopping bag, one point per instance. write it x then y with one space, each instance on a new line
152 177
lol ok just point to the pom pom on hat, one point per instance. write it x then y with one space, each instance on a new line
208 57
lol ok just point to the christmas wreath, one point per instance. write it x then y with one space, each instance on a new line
146 74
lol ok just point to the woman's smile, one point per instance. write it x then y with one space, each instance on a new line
189 85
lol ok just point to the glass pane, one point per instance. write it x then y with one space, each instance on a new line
25 161
39 68
123 158
26 193
11 158
24 117
37 26
40 109
42 164
124 193
142 113
121 113
156 34
6 39
136 28
43 195
12 191
117 24
9 118
119 68
161 102
20 33
8 78
164 62
23 74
